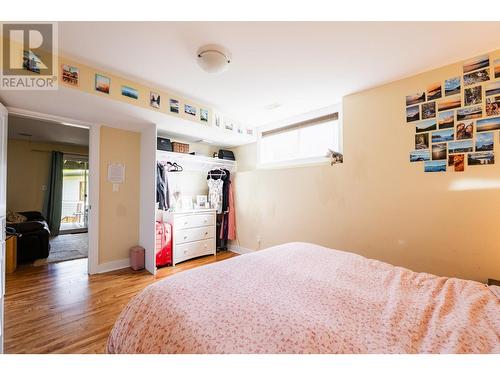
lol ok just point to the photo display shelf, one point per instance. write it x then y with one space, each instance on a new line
196 162
457 120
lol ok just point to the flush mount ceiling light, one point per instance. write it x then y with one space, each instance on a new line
213 58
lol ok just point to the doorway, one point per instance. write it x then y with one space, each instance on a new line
48 186
74 207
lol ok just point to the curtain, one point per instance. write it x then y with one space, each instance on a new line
53 198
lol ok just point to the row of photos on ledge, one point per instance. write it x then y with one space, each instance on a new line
71 76
455 124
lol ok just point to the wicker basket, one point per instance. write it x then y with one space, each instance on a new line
180 147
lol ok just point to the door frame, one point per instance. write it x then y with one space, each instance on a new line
94 143
85 158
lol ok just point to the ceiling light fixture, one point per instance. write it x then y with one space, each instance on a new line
213 58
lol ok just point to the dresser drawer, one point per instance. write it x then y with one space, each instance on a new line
193 249
194 234
193 221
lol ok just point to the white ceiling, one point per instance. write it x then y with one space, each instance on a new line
301 65
35 130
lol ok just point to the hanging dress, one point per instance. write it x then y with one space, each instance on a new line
215 193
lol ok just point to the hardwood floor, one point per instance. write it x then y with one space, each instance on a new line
58 308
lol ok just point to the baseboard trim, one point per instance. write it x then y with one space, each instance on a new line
239 250
113 265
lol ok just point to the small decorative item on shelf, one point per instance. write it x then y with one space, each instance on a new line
180 147
335 157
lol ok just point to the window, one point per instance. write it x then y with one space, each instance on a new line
303 142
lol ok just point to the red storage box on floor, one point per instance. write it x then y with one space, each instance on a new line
163 244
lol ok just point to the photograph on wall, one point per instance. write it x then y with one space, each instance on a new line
452 86
228 124
425 126
102 83
130 92
217 119
450 103
204 115
420 155
154 99
174 106
473 95
465 130
484 141
428 110
460 146
497 68
476 63
31 61
70 75
435 165
434 91
419 97
457 162
443 136
439 151
421 141
488 124
446 120
412 113
469 113
492 88
190 110
493 106
481 158
477 77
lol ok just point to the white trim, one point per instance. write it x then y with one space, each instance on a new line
44 116
94 145
305 162
94 183
147 196
113 265
239 250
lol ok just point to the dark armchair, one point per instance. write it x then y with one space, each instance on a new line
33 242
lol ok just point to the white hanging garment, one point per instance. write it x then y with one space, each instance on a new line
215 194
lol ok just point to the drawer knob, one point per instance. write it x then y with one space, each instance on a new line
185 223
185 237
206 233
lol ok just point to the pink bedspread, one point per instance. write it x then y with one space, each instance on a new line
303 298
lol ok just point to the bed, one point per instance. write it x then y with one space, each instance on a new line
304 298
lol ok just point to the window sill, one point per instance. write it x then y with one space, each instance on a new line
296 163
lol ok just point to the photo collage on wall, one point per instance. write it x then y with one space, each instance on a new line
456 120
174 106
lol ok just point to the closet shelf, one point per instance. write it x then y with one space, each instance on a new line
195 162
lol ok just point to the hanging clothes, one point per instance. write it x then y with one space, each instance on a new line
231 230
228 227
215 189
162 193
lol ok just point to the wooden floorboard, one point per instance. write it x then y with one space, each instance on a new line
58 308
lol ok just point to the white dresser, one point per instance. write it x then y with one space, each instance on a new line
193 233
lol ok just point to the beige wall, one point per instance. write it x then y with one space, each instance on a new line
378 204
28 172
118 211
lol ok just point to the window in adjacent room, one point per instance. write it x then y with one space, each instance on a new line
300 143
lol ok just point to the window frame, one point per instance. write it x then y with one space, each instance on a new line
301 162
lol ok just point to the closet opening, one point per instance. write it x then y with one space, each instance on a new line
194 206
